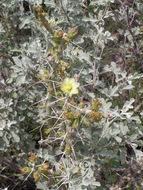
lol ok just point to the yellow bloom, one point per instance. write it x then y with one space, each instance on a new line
70 86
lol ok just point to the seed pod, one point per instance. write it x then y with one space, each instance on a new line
45 166
36 176
76 115
96 116
72 33
68 115
38 9
32 158
95 105
58 36
25 170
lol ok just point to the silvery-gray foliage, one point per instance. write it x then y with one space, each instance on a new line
104 56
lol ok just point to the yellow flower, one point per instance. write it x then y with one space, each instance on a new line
70 86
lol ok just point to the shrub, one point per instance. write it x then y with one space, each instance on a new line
71 93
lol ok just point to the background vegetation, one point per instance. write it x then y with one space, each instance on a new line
71 90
